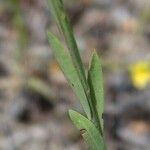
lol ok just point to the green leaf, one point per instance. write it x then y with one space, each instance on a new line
62 20
89 132
56 7
96 86
69 71
35 84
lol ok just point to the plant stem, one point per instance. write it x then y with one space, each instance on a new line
65 27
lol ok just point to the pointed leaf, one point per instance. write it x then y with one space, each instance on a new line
69 71
96 86
63 22
89 132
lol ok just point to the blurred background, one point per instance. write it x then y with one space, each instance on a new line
34 95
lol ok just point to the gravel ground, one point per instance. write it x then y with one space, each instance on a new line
34 95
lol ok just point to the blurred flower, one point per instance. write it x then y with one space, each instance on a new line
140 74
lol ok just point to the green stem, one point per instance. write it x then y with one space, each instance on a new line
65 27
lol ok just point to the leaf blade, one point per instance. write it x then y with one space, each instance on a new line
91 134
69 71
96 86
64 25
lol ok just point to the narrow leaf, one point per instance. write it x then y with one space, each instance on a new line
62 20
89 132
96 86
69 71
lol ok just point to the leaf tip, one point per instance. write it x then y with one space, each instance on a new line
95 56
71 113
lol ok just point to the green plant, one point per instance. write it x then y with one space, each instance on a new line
89 90
14 8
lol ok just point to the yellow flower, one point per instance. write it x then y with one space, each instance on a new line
140 74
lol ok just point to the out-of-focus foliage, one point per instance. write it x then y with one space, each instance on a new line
14 8
145 15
